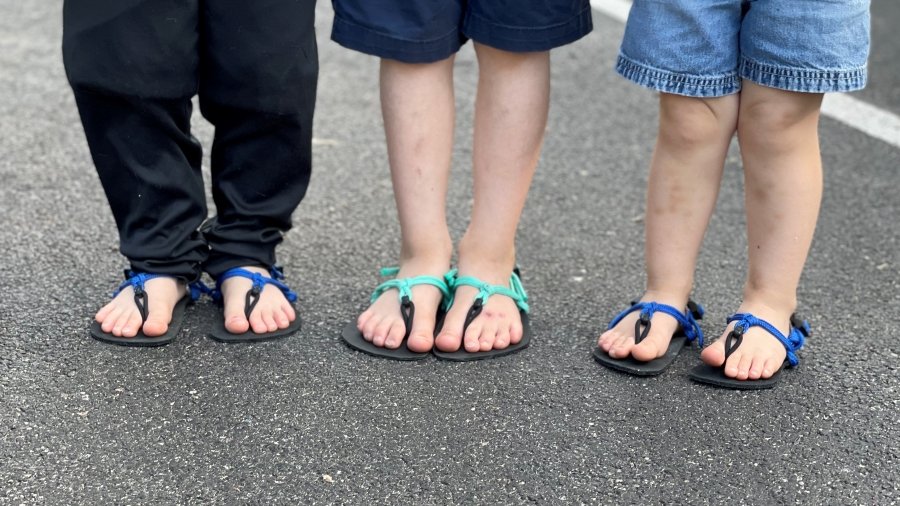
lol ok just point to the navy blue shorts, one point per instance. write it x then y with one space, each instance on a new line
422 31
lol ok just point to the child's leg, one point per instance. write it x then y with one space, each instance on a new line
134 102
418 107
783 179
510 118
259 67
685 173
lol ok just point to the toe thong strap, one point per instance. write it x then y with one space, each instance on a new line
792 342
404 290
404 285
259 282
686 319
136 281
516 290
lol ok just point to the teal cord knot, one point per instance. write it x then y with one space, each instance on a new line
516 290
404 286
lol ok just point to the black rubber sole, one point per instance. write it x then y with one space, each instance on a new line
714 376
462 355
635 367
141 340
220 333
355 340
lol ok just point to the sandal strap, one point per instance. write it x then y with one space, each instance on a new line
687 319
516 290
794 341
259 282
404 285
136 281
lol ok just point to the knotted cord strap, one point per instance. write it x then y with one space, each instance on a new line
259 282
516 290
404 286
686 319
136 282
745 321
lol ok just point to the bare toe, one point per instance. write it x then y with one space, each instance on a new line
502 341
157 324
714 354
421 338
473 333
379 336
770 367
268 319
132 325
731 365
395 335
756 368
111 319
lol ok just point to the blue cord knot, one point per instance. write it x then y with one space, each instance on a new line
686 319
792 342
259 282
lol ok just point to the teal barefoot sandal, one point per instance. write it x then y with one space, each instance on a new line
516 292
354 338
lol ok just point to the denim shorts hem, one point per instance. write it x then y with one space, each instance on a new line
675 83
521 39
803 80
365 40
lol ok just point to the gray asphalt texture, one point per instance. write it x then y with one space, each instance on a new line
306 420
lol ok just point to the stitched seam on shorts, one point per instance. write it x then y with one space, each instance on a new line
636 68
530 28
803 80
451 33
789 72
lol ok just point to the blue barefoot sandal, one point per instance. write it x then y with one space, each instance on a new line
276 279
516 292
136 282
354 338
688 331
745 321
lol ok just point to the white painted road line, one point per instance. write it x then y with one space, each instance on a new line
616 9
863 116
869 119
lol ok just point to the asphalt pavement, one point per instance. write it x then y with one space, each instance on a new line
306 420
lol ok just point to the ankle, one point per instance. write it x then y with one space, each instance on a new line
431 251
770 300
674 297
488 252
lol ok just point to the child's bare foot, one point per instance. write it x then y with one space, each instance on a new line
122 318
760 355
272 311
619 341
382 323
499 325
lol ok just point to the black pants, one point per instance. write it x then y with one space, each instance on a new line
134 66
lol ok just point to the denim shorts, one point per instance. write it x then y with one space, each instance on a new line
703 48
422 31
